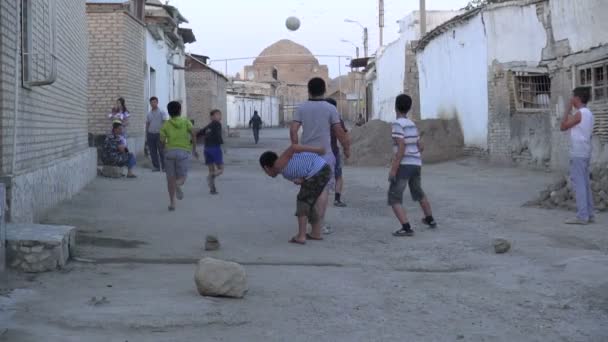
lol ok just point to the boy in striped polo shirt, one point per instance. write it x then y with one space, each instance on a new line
406 168
304 166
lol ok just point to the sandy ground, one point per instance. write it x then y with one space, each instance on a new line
360 284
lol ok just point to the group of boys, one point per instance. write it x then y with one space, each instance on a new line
315 162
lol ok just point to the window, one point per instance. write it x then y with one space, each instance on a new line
37 43
595 76
532 91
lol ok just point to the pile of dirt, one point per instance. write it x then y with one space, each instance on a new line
560 195
372 143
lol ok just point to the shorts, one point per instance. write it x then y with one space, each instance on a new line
177 163
338 166
214 155
406 175
331 161
309 193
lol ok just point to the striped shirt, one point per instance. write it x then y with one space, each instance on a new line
404 128
303 165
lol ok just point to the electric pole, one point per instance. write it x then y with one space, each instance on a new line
381 20
422 18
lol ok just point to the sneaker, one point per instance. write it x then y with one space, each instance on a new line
327 230
404 232
431 223
339 204
179 193
576 221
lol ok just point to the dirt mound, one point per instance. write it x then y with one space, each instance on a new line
561 194
372 143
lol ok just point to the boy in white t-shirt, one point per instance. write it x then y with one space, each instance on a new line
580 126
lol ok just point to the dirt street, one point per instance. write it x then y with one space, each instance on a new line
360 284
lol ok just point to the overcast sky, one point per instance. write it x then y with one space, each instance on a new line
243 28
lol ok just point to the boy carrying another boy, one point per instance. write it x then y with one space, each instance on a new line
179 142
304 166
406 168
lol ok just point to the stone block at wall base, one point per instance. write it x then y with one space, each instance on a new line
112 171
39 248
33 193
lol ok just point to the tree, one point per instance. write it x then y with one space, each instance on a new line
479 3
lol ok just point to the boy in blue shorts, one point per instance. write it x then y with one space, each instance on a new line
304 166
214 158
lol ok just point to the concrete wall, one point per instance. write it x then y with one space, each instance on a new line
582 23
453 75
241 108
161 83
116 69
390 77
206 90
52 160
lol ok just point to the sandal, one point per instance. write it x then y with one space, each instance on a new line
171 208
131 176
310 237
294 240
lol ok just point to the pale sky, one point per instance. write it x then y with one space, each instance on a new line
243 28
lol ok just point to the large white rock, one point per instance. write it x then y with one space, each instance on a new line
218 278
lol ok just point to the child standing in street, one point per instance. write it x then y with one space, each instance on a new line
214 158
304 166
406 168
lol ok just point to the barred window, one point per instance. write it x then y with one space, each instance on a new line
532 91
595 76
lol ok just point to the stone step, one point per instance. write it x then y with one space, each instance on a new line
39 248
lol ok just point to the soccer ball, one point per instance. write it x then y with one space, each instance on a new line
292 23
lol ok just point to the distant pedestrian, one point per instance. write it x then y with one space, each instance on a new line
214 158
360 121
317 118
177 136
121 114
115 151
154 122
406 168
338 168
303 166
580 126
256 124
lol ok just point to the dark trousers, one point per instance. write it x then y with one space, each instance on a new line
156 150
256 135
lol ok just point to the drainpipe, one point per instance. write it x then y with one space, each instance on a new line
16 92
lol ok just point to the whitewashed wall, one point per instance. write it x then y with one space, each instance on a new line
170 84
571 18
453 73
241 108
514 34
390 74
390 62
453 67
156 58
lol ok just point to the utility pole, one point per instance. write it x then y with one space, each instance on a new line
422 18
365 49
381 20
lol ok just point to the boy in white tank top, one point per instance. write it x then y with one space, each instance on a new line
580 127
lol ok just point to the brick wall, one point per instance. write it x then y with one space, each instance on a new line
499 114
52 120
205 90
53 161
116 67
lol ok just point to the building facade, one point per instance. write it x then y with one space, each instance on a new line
117 66
44 155
206 90
288 67
508 84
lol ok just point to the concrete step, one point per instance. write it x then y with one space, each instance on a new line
39 248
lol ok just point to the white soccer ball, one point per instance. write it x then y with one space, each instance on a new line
292 23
